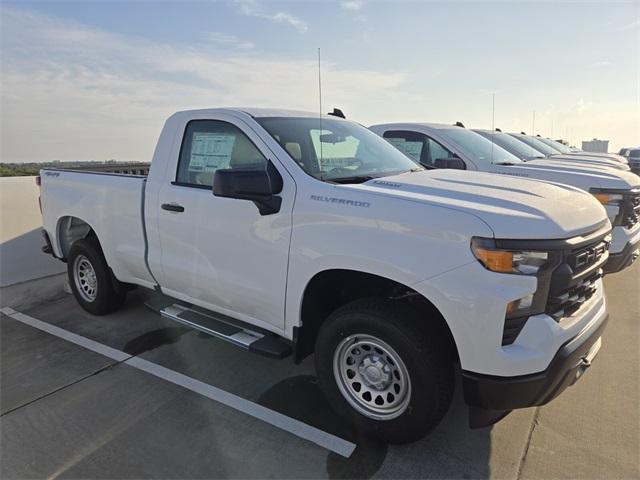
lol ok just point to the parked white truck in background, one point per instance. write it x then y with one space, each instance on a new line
451 146
281 231
558 150
526 151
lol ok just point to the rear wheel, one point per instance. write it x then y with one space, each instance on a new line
91 279
381 372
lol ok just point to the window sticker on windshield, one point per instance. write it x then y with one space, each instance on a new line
210 151
411 149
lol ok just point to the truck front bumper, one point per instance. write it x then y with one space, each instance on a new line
492 397
619 259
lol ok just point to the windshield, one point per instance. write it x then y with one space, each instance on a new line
342 151
511 145
553 144
535 143
634 154
478 148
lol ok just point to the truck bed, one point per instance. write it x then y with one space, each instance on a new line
109 203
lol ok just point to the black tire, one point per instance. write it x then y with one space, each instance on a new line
424 353
110 294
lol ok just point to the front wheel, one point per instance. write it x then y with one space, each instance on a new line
91 279
381 372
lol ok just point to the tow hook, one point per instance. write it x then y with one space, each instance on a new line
585 361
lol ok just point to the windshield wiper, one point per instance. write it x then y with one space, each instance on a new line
353 179
503 163
366 178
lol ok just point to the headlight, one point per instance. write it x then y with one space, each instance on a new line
607 198
508 261
612 201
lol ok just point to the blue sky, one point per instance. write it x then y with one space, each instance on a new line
95 80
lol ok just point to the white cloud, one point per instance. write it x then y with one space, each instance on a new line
352 4
631 26
229 40
71 92
254 9
601 63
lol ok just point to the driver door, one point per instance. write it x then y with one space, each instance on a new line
221 253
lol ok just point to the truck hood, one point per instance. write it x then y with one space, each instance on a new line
512 207
581 175
612 156
586 160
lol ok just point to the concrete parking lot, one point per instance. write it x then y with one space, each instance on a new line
67 411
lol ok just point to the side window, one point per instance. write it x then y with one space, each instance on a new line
210 145
417 146
412 144
437 151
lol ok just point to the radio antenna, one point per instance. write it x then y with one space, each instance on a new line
493 121
533 130
533 124
320 111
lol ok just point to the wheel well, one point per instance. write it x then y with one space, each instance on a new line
329 290
71 229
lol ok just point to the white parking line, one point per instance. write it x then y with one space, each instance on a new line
319 437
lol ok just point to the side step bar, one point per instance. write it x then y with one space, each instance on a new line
222 327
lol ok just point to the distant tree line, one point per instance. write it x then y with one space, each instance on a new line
17 170
33 168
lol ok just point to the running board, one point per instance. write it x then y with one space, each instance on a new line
222 327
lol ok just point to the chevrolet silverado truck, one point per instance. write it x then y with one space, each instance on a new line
452 146
289 233
526 151
557 150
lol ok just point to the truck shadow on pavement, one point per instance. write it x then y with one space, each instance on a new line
154 339
452 450
199 428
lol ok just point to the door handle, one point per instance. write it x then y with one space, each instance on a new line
172 207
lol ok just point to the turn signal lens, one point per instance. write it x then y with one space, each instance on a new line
603 198
500 260
607 198
495 260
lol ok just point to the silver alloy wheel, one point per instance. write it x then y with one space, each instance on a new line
372 377
85 278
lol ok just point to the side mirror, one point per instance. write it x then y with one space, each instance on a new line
451 162
258 186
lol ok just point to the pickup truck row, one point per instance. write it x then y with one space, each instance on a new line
286 232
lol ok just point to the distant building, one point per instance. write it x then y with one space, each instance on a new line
595 145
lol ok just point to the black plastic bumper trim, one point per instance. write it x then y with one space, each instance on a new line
509 393
48 248
622 260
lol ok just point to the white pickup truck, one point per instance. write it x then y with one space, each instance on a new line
452 146
526 151
285 232
556 150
